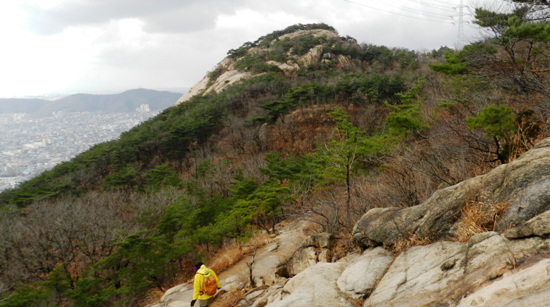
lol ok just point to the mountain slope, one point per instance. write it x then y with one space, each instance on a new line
459 262
320 128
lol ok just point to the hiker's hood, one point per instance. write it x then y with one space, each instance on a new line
203 270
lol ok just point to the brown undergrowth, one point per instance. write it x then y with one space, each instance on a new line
234 252
229 299
404 244
477 217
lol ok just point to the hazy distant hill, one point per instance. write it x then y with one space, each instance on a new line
127 101
21 105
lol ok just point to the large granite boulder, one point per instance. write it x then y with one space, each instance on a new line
526 287
363 274
315 286
314 249
443 273
524 185
446 272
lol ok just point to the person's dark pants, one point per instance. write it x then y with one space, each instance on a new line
205 303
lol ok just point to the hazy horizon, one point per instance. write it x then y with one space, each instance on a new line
59 95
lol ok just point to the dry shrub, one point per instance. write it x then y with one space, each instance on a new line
234 252
151 297
477 217
228 299
412 240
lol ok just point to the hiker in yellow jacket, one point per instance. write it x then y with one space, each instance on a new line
202 272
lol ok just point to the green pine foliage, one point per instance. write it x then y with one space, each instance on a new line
405 117
371 88
495 121
162 175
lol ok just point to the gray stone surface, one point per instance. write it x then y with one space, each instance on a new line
362 275
523 184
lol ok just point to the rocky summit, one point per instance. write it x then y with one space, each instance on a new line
226 73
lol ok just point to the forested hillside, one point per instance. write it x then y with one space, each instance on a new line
341 128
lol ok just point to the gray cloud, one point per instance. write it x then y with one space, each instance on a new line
181 40
159 16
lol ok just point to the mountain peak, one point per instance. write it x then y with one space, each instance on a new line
286 52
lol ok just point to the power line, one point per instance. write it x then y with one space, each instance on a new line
433 17
424 12
415 10
461 20
436 6
442 2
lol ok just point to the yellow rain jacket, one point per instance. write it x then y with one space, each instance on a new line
197 284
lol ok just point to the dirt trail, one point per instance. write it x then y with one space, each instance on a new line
289 238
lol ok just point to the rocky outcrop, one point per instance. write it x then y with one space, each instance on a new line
440 274
524 185
230 75
508 267
363 274
490 269
537 226
444 272
316 248
527 287
313 56
315 286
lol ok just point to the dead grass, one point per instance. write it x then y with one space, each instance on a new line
412 240
477 217
228 299
232 253
151 297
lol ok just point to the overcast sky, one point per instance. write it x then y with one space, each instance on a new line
105 46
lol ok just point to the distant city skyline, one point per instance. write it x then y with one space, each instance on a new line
30 146
37 135
63 47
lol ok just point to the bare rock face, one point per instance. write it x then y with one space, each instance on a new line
314 249
228 77
315 286
362 275
527 287
447 272
523 184
418 275
537 226
313 56
473 273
